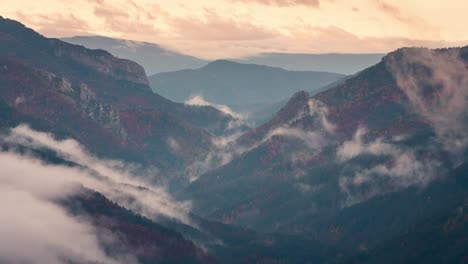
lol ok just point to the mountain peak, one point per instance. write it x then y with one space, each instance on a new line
224 64
17 30
27 44
221 63
153 57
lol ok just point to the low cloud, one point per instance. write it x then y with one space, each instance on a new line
127 184
319 136
400 169
30 187
198 100
401 172
356 146
174 146
35 230
313 140
435 82
224 149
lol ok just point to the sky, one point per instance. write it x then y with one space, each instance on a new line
213 29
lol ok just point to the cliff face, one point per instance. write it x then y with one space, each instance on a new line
21 42
101 61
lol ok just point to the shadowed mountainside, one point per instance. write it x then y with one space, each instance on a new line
100 100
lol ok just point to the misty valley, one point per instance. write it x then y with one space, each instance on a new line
274 158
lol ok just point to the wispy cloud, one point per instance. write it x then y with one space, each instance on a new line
35 230
127 184
401 167
198 100
355 147
237 28
214 27
56 24
435 83
315 139
398 14
30 188
311 3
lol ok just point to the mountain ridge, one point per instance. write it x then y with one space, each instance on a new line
153 57
344 63
105 102
232 83
311 157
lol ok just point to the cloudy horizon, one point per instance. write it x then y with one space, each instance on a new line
238 28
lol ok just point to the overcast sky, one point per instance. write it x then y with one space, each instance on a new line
232 28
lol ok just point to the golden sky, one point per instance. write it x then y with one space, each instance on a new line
232 28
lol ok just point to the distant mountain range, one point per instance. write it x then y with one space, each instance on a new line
333 62
152 57
244 87
155 58
230 82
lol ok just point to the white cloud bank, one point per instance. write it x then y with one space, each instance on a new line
34 229
119 181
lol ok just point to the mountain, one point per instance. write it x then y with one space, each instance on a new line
437 239
152 57
148 241
156 59
333 62
231 83
119 229
371 168
103 102
354 165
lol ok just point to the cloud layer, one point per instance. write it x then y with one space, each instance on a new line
34 230
236 28
198 100
29 188
398 167
436 83
312 3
